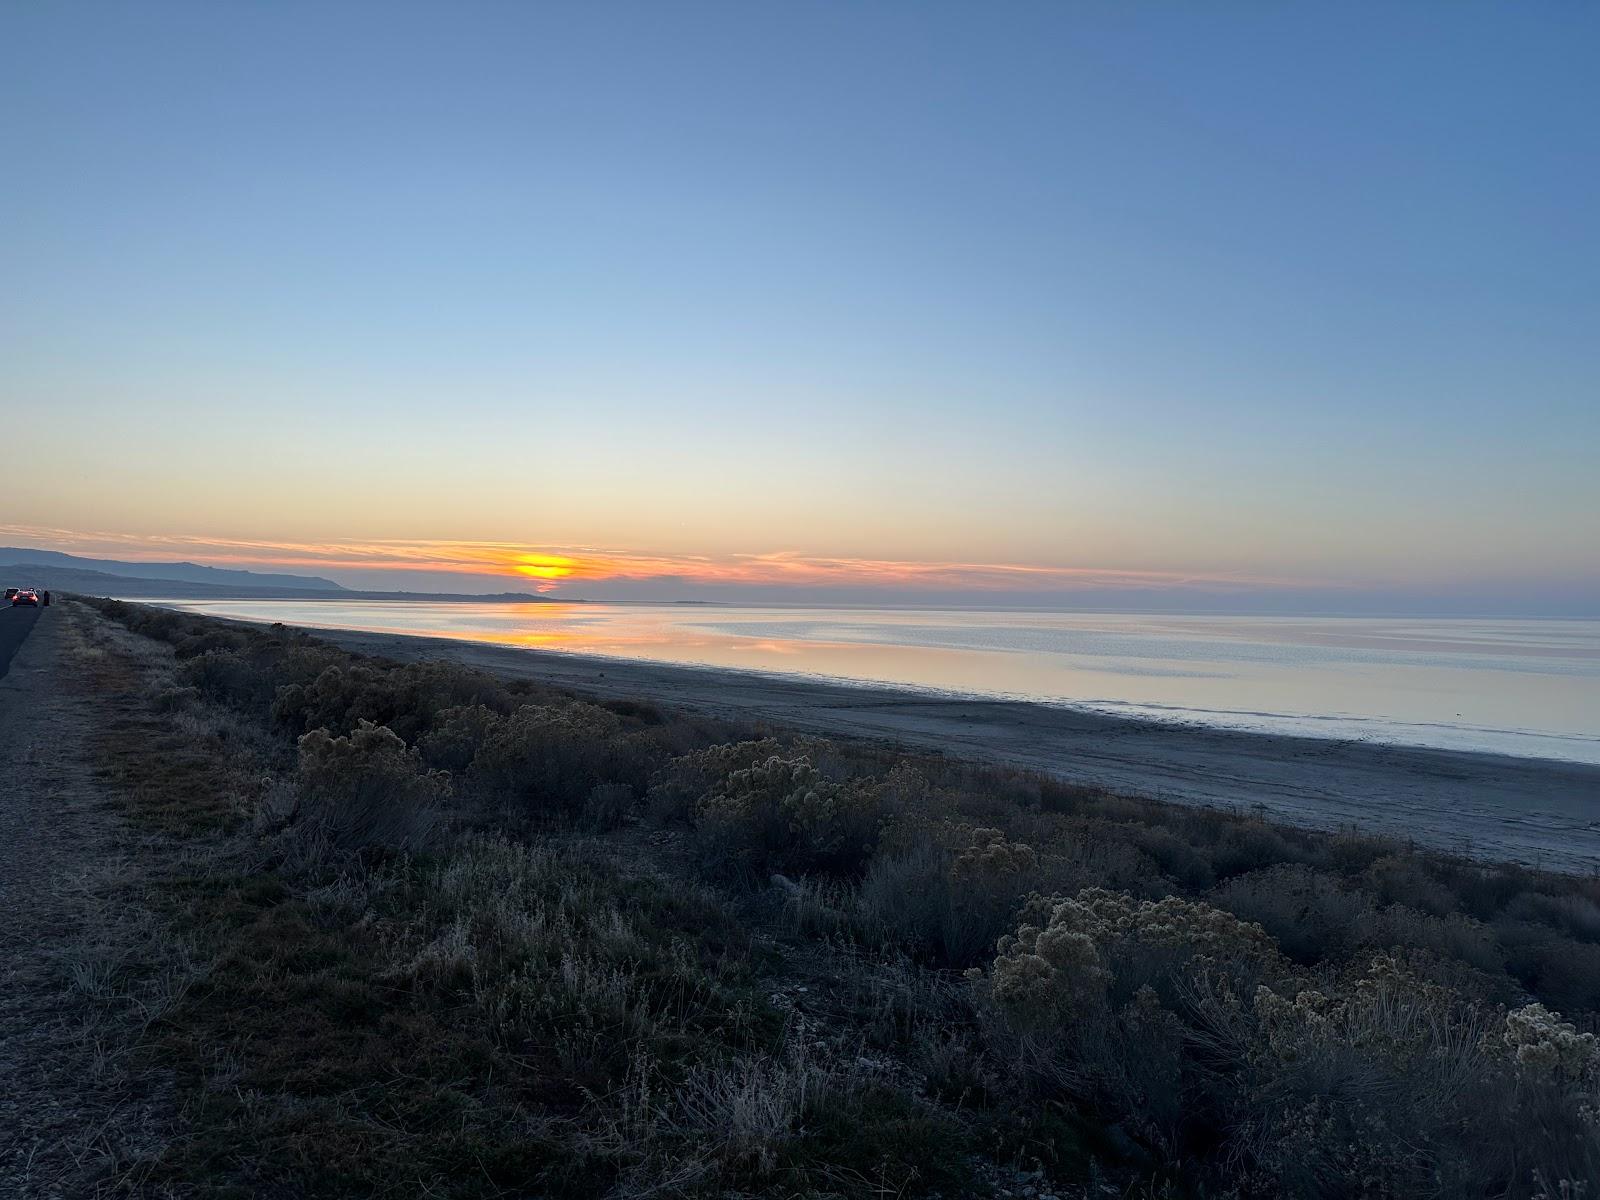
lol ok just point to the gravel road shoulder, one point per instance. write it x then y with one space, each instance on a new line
81 959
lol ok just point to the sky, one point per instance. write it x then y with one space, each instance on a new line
1079 304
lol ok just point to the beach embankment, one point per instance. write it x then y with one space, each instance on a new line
1540 812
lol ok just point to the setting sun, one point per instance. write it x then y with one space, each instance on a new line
545 566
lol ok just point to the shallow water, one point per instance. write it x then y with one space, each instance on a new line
1524 687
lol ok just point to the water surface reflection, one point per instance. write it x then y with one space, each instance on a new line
1521 687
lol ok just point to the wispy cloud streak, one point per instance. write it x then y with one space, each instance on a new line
547 568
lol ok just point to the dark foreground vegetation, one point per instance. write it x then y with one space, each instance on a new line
482 939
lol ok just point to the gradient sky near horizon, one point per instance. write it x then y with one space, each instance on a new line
812 300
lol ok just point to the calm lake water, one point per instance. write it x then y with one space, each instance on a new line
1518 687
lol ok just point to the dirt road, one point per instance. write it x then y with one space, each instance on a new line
15 625
71 1107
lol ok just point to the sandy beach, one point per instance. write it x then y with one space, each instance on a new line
1536 811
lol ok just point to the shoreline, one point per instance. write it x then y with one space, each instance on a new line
1542 812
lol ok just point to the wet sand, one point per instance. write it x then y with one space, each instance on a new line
1537 811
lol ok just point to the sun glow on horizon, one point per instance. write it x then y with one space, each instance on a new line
549 567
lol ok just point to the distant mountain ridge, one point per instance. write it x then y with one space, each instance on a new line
57 578
98 583
180 572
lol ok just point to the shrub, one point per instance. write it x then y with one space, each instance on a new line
229 677
1058 796
457 736
549 755
1177 858
1183 1022
1485 891
338 699
950 904
203 641
1546 1046
1090 854
1399 879
1351 852
607 807
675 788
1310 913
1059 963
642 711
1576 916
1554 968
1094 996
345 692
367 790
782 815
175 699
1381 1083
1246 846
1454 937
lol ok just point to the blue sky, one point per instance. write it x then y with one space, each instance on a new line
1302 296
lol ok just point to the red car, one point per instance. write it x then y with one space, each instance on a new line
25 597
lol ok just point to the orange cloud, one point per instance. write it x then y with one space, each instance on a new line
549 566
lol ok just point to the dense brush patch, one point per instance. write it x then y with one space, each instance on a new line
646 953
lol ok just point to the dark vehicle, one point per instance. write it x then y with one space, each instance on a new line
10 592
25 597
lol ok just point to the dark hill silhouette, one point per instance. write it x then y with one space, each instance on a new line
127 587
185 572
